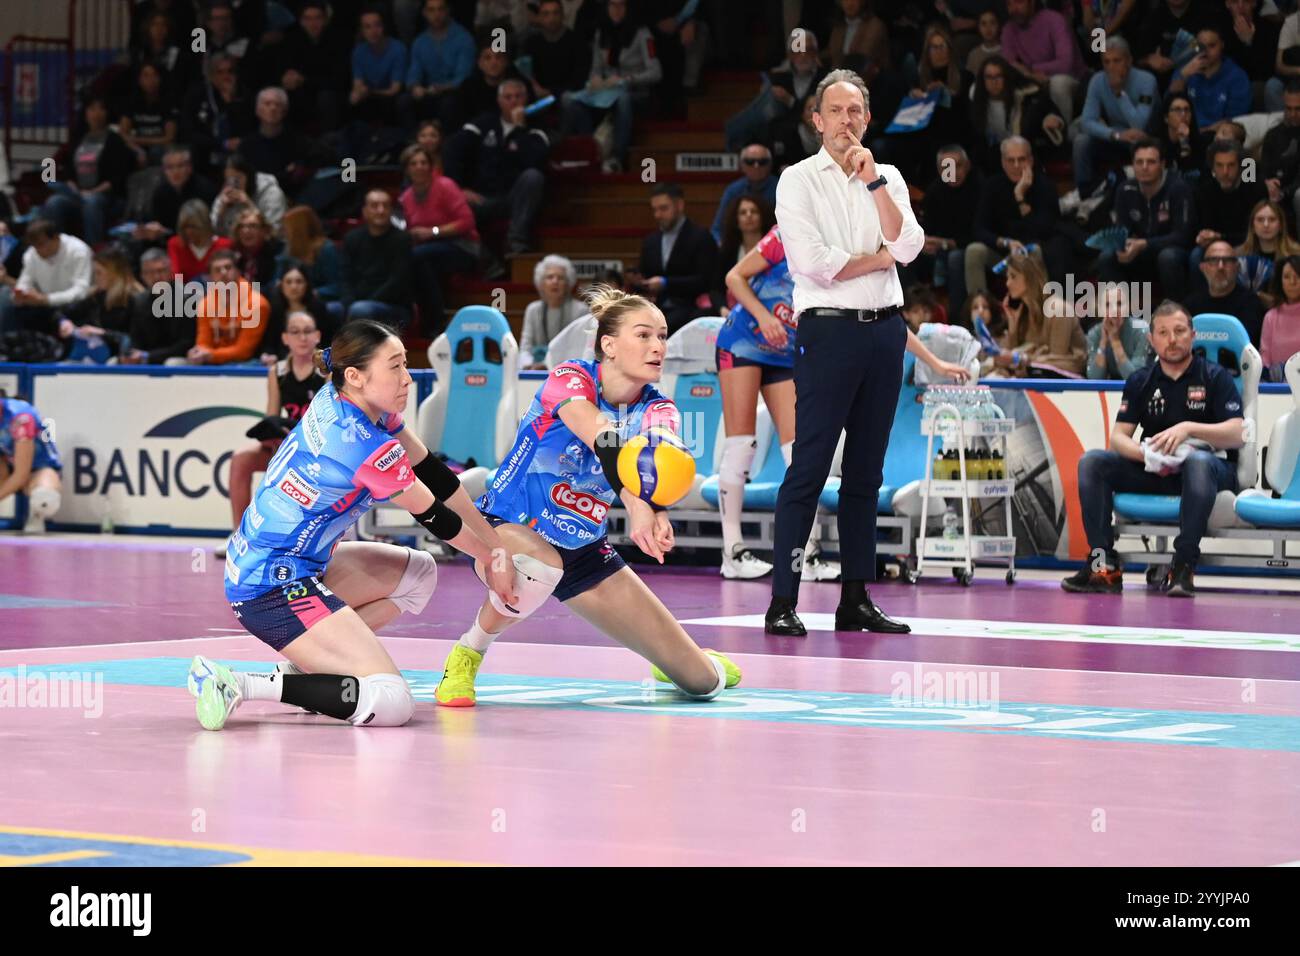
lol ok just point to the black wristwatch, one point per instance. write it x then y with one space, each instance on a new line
872 187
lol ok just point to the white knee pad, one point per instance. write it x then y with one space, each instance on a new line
43 502
737 458
722 681
418 583
534 582
385 701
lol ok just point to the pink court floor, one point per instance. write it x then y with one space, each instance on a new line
1016 725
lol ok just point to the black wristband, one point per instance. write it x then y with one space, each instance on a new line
607 446
441 521
437 477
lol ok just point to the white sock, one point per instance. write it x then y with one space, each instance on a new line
477 639
731 502
259 686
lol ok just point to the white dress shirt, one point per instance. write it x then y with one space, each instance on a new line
826 217
65 278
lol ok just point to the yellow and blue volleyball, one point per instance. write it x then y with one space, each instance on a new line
656 467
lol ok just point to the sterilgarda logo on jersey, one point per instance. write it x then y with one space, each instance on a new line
585 506
155 469
390 457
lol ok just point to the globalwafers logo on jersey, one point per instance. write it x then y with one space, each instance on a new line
389 458
297 488
585 506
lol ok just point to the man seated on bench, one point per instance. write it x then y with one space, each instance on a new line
1188 408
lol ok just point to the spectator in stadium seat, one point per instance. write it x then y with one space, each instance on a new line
107 312
1156 208
622 59
1041 329
478 94
1279 161
222 38
859 41
680 43
255 248
273 147
1218 88
441 60
1251 40
245 186
990 31
948 215
192 247
216 114
1161 25
161 38
1116 346
1004 106
178 185
545 318
149 118
379 65
315 73
293 293
232 316
795 138
1040 44
1223 293
1224 199
1181 396
443 236
1280 338
158 332
758 180
56 277
96 190
1286 63
1184 146
1017 207
1266 245
560 58
498 160
307 247
377 266
745 221
1116 113
678 261
784 90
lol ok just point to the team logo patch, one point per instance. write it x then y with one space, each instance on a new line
585 506
389 458
1196 394
784 313
297 488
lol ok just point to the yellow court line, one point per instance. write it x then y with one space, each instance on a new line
261 856
43 858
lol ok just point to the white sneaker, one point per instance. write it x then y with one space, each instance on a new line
611 165
744 565
817 568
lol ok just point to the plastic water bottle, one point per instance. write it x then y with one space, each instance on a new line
950 523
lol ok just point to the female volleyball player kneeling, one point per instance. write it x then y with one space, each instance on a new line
550 498
315 600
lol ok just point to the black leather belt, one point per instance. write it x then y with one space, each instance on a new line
861 315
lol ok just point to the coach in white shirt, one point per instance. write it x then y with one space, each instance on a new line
845 221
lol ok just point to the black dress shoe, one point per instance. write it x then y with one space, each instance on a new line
866 616
783 622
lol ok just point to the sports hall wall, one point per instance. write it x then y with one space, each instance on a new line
151 447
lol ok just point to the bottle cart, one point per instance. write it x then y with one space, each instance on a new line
974 431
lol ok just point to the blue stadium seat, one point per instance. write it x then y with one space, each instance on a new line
1282 468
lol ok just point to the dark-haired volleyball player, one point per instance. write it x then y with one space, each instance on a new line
551 496
317 601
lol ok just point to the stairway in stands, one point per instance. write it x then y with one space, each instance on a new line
590 215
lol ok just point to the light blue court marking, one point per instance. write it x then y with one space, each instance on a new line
15 846
15 602
880 711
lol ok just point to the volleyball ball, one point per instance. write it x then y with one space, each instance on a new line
656 467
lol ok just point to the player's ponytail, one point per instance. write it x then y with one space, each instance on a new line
353 347
609 307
